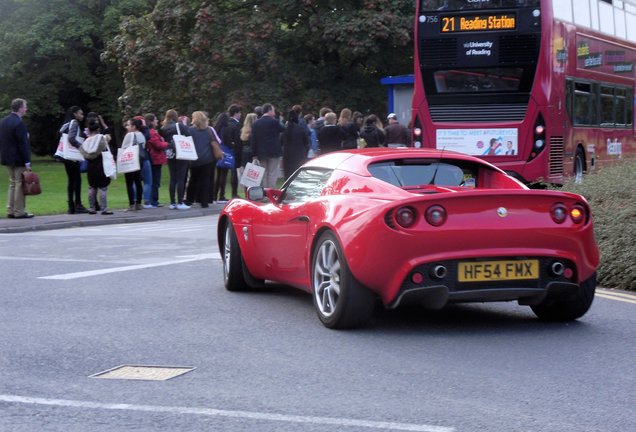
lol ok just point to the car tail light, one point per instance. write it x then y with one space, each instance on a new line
405 217
436 215
559 213
577 213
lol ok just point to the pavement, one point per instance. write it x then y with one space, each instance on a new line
120 216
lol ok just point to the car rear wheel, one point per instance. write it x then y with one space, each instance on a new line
340 300
579 166
568 308
233 278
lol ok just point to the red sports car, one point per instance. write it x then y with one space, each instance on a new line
414 226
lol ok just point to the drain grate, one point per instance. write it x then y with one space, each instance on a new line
143 372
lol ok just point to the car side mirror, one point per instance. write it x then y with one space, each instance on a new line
255 193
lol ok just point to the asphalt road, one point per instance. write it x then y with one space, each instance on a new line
76 302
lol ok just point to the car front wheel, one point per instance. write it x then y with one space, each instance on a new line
233 278
568 308
340 300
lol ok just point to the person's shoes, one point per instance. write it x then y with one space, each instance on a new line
149 206
173 207
183 206
138 206
106 212
10 216
71 211
24 216
158 205
79 208
91 211
131 208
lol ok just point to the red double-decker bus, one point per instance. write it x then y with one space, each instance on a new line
541 88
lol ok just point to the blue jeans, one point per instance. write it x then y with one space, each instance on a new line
156 182
146 178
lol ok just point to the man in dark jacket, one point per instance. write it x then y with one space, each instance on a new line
232 138
15 153
266 147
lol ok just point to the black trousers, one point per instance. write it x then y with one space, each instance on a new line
74 183
200 184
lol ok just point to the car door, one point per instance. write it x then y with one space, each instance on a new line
281 235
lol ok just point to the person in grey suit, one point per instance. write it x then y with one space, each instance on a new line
15 153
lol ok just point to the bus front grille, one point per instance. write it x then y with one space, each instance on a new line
477 113
556 156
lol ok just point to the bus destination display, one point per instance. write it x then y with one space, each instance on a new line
476 23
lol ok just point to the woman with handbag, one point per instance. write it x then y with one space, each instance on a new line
177 168
202 169
76 136
133 179
92 149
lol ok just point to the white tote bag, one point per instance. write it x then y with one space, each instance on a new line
68 151
184 147
109 164
128 159
252 175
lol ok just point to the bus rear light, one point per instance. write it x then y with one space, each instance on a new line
538 137
417 132
577 213
406 217
436 215
559 213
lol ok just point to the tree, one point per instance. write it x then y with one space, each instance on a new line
50 55
194 54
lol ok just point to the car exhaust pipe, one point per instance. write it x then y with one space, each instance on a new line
439 272
557 268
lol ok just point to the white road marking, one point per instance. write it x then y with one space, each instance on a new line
212 412
77 275
620 298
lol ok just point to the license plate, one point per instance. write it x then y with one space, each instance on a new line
487 271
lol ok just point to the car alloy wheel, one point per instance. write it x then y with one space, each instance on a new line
340 300
327 278
233 276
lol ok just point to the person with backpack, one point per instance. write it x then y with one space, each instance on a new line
370 133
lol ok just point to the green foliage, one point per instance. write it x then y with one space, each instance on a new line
50 55
611 193
213 53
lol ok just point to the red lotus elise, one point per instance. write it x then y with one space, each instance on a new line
413 226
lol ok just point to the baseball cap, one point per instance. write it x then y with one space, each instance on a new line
392 116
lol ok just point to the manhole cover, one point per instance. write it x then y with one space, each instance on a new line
140 372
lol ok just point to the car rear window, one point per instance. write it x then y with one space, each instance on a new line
421 172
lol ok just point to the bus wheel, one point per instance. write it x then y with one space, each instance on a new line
579 166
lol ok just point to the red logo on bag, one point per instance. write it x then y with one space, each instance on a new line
127 157
185 145
252 174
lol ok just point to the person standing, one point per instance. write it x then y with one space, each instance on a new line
73 173
92 149
395 133
232 138
265 142
295 144
246 133
202 169
133 179
371 134
313 138
156 147
330 136
346 123
178 169
218 186
15 153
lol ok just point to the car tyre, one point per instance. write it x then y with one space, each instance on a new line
340 300
568 308
233 277
579 166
